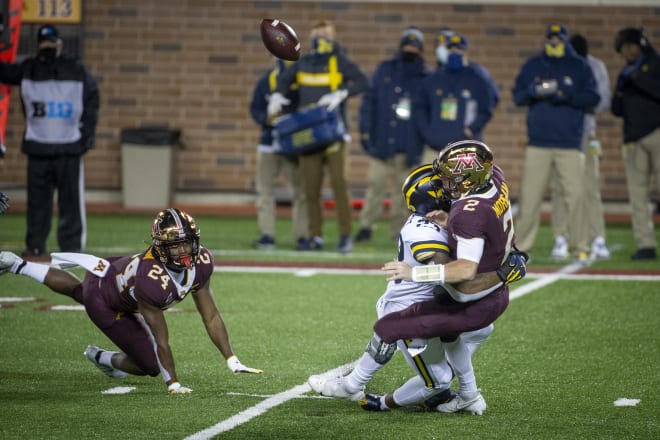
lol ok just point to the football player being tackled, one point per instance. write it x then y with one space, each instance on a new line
126 296
426 245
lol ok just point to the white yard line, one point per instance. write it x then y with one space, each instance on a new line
262 407
295 392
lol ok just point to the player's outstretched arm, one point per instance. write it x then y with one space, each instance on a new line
216 329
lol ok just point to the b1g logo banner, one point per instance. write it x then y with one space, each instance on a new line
52 109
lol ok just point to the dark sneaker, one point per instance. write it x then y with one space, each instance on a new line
644 254
345 245
302 244
371 402
315 243
265 242
363 235
443 396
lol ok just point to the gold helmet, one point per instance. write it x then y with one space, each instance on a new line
465 167
171 228
422 191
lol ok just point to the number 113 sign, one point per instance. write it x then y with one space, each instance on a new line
52 11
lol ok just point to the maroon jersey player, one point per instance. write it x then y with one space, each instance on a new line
480 229
126 296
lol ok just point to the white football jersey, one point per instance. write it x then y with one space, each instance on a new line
419 240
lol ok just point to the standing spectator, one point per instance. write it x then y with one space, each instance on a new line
595 226
271 165
637 100
61 104
442 56
387 132
559 88
324 76
455 102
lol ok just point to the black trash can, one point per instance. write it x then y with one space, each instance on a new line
147 166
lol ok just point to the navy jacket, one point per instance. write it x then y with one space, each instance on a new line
557 121
259 104
472 95
637 96
382 133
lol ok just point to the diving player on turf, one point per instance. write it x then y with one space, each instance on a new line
126 296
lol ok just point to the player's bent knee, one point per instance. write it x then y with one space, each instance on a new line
379 350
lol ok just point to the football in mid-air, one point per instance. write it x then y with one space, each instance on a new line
280 39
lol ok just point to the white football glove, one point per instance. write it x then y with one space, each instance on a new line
177 388
332 100
275 104
237 367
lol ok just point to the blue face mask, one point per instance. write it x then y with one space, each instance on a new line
455 62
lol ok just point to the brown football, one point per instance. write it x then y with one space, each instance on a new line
280 39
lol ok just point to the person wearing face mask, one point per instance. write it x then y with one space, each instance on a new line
636 99
559 89
271 166
455 102
442 54
325 76
387 130
61 104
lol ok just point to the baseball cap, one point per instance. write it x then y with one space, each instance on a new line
412 37
557 29
457 40
47 32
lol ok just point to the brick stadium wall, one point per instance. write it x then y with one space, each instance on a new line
192 65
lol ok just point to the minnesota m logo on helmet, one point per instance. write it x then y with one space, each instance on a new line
465 167
467 161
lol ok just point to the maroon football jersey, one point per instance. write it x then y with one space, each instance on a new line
488 216
144 277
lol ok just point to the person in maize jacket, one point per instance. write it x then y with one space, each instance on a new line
61 103
325 76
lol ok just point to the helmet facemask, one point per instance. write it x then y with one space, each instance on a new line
171 229
422 191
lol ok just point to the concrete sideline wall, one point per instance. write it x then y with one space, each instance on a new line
192 65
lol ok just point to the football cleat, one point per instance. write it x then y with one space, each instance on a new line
333 387
560 249
93 353
476 405
371 402
7 261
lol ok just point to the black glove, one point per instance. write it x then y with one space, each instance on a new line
514 267
4 202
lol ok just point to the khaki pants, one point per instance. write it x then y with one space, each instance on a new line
642 161
269 167
593 204
379 170
568 168
429 155
311 168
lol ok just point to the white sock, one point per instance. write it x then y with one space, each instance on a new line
365 369
459 358
35 271
383 405
414 391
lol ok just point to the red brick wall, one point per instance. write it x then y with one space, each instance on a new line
192 65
